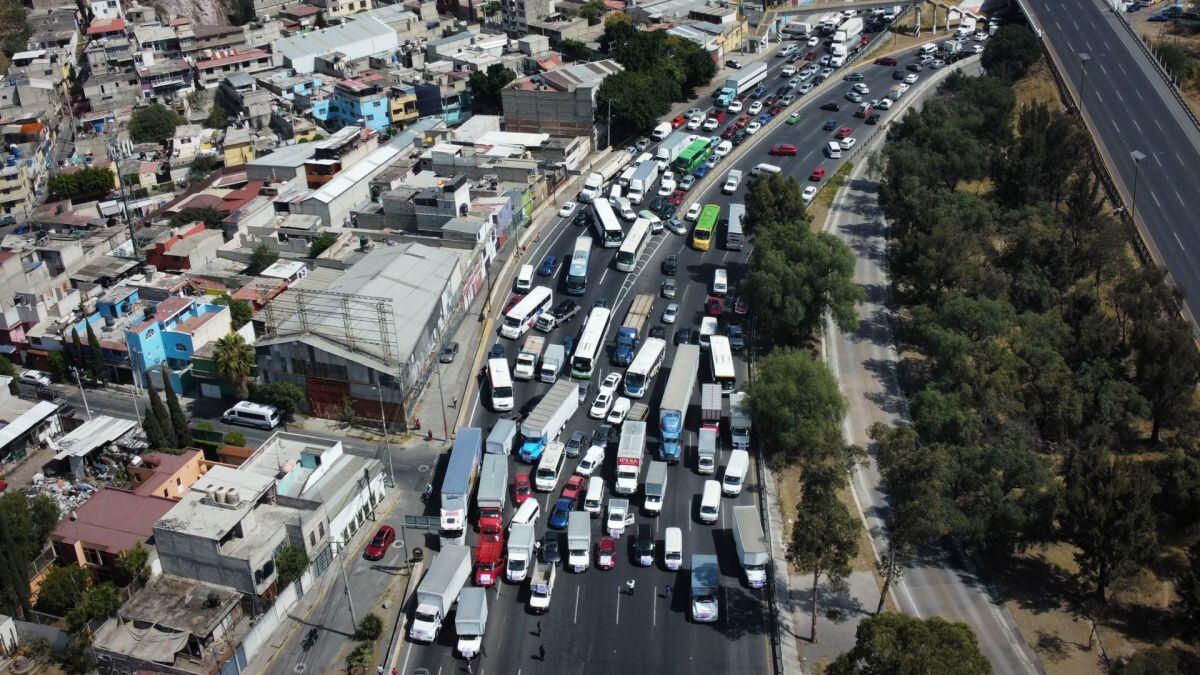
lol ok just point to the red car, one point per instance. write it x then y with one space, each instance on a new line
811 56
774 110
770 101
383 538
817 175
729 131
886 61
606 553
739 306
574 487
719 116
713 306
844 132
676 197
678 121
742 120
783 149
521 489
512 302
864 111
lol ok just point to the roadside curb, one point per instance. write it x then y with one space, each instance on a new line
398 628
781 577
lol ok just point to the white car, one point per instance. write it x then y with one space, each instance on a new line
937 63
711 124
848 142
670 313
910 78
787 71
36 377
902 87
592 459
695 122
981 36
619 410
810 191
566 210
861 88
753 128
610 383
601 405
693 212
666 187
670 175
755 108
885 104
735 107
977 49
723 148
814 41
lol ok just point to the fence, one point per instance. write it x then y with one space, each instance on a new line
1158 67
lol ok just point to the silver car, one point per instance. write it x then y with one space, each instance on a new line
671 312
668 288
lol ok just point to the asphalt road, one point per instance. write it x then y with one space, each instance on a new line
1131 110
646 631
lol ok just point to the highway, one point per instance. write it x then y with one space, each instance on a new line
1131 110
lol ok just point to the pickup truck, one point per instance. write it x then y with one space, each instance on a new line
560 314
732 180
541 586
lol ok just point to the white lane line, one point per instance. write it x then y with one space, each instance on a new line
654 610
1155 197
1157 124
1115 127
1159 161
1179 159
1099 97
1181 203
1119 96
1135 123
576 619
603 275
1101 66
1122 67
1177 241
618 621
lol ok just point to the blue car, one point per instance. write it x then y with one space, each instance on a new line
549 266
764 118
497 351
561 513
830 124
568 344
701 171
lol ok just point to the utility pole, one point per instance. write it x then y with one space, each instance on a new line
346 584
115 153
82 393
386 443
608 122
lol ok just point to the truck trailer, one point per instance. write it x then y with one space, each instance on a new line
470 621
439 590
546 421
654 492
629 334
461 472
677 396
741 82
706 589
670 148
493 492
753 552
520 551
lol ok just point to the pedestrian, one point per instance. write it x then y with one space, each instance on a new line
629 585
379 670
454 404
539 629
541 652
668 591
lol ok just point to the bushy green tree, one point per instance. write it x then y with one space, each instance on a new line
240 311
217 119
62 589
896 643
285 396
1010 53
260 259
825 540
162 417
797 408
208 215
179 421
321 244
154 123
486 86
291 561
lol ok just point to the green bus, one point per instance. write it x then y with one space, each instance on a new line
706 227
690 159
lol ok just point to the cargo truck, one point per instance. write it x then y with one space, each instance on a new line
710 406
670 148
493 493
677 396
489 557
951 47
741 82
579 540
619 516
706 451
500 440
592 185
655 490
849 32
706 589
642 181
626 176
798 29
895 92
638 413
629 334
470 621
527 358
438 590
739 420
520 551
461 473
546 421
752 548
629 456
552 363
541 586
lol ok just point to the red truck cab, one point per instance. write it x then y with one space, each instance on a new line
489 558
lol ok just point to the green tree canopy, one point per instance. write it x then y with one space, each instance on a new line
234 360
486 86
291 562
208 215
899 644
773 199
260 259
85 183
797 408
321 244
1010 53
825 539
217 119
285 396
62 589
241 311
14 26
153 124
574 50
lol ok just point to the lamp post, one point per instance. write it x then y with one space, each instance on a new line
442 398
82 393
1137 158
386 442
1084 57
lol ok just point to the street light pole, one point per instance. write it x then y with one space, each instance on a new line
442 398
1137 158
1084 57
82 393
386 443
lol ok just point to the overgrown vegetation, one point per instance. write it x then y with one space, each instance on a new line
896 643
291 561
285 396
24 525
485 86
153 124
86 183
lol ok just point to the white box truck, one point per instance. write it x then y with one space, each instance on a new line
753 551
470 621
527 358
629 456
520 551
592 185
706 589
706 451
642 181
552 363
541 587
503 435
655 490
579 540
669 149
439 590
619 516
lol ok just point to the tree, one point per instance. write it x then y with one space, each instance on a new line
154 431
636 101
285 396
62 589
618 27
161 417
825 540
1168 370
260 259
132 562
217 119
153 124
179 421
291 562
208 215
895 643
240 311
234 360
1188 586
370 628
24 525
57 364
1152 661
14 26
96 355
321 244
592 10
574 50
1010 52
486 86
797 408
85 183
1108 516
491 8
1176 61
773 199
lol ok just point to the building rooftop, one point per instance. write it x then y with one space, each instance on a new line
181 604
569 78
283 269
94 433
368 34
197 516
162 467
227 58
113 520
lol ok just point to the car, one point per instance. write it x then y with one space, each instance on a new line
861 88
980 36
568 344
810 191
903 87
755 108
899 74
683 336
763 120
976 49
497 352
753 128
865 109
601 405
735 107
561 513
693 212
567 210
676 197
853 77
521 488
610 383
937 64
512 302
671 312
713 306
679 121
601 436
551 555
719 116
915 67
378 547
811 56
729 131
739 305
813 41
676 226
695 122
854 97
826 60
619 410
642 144
783 149
575 487
848 142
830 124
886 61
832 106
817 175
583 218
702 170
771 101
661 206
666 187
825 73
711 124
606 553
793 118
574 445
873 118
723 148
658 332
692 112
759 91
733 63
790 99
885 104
911 78
689 180
591 461
843 133
449 351
925 59
742 121
1158 18
737 337
548 267
794 57
711 161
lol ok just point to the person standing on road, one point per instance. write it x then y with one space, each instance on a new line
539 629
541 652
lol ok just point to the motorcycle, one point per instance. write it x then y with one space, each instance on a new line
427 493
310 639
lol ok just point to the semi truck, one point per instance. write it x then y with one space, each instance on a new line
493 492
461 473
752 549
552 362
579 540
546 421
629 456
739 420
470 621
655 490
710 406
438 590
642 181
670 148
592 185
629 334
520 551
829 23
489 557
706 589
672 409
706 451
849 33
527 358
541 587
741 82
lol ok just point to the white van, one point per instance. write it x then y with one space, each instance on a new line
625 209
626 176
527 513
833 150
594 498
614 193
720 285
673 548
524 279
765 168
708 328
661 131
549 467
256 415
735 473
710 502
644 157
928 48
500 385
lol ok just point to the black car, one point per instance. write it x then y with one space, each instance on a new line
873 118
683 336
782 91
643 545
574 445
898 74
670 265
740 137
832 106
793 58
584 218
737 337
497 352
602 435
449 351
565 311
915 67
550 552
658 332
853 77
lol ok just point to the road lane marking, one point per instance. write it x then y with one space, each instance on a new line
1099 97
1177 240
1139 127
576 619
618 621
654 611
1155 197
1181 202
1159 161
601 281
1115 127
1101 66
1178 158
1119 96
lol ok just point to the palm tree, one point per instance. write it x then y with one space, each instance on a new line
234 360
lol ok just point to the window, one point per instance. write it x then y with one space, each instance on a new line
93 556
179 481
312 539
321 528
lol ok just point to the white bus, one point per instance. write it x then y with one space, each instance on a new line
644 367
722 363
608 228
500 385
734 237
591 343
634 244
578 270
520 318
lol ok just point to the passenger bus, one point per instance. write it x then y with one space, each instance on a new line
706 227
690 159
644 367
721 360
634 244
520 318
608 228
591 344
578 271
500 385
734 237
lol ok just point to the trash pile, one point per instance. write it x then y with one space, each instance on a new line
68 494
